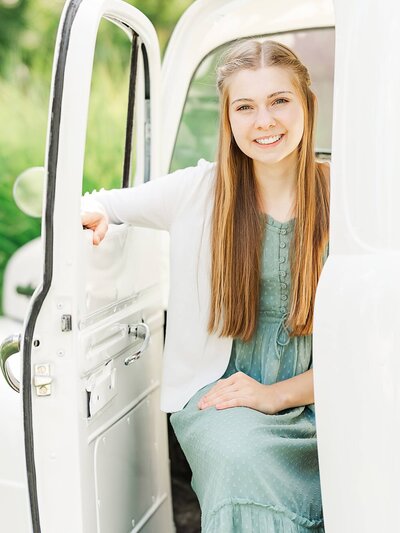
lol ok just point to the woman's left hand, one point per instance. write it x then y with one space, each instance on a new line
240 390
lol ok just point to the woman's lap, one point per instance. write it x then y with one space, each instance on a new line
240 454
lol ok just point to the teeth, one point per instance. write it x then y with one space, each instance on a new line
270 140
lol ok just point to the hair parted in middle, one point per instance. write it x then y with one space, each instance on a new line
237 223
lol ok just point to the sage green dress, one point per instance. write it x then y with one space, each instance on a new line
254 472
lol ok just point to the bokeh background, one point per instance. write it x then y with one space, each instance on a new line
27 37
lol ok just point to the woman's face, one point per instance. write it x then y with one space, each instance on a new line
266 114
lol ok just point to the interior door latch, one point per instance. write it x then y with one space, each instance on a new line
100 388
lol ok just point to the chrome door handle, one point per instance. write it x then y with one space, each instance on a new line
9 347
139 331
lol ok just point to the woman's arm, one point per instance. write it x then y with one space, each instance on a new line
153 204
144 205
295 391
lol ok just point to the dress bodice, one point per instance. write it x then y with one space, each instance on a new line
275 269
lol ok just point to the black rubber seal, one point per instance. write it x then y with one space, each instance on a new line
48 260
131 109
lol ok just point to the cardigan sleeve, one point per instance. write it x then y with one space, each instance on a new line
153 204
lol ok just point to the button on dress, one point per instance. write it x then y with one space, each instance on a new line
254 472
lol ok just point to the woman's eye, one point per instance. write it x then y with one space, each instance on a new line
280 101
243 107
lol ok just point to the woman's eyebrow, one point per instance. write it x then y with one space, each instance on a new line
269 96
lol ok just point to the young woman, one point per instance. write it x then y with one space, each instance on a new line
249 236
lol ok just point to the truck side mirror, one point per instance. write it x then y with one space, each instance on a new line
28 191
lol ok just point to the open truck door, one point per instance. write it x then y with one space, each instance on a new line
95 438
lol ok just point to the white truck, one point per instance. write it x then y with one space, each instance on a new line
84 444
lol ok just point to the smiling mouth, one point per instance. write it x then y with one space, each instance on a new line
269 140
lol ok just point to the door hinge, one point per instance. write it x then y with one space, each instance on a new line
42 379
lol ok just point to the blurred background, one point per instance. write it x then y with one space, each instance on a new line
27 37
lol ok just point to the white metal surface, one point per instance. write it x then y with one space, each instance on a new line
357 312
116 466
14 504
24 269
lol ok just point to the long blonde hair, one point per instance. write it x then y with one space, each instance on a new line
237 224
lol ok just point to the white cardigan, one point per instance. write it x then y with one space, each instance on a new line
181 203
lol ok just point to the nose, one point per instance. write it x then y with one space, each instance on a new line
264 119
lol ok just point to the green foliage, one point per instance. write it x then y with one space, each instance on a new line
12 22
21 142
163 14
28 29
27 37
105 141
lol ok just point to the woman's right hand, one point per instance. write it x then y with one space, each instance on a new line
97 222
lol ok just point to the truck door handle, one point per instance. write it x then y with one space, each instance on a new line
9 347
139 331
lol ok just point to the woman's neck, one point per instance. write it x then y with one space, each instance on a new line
277 188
